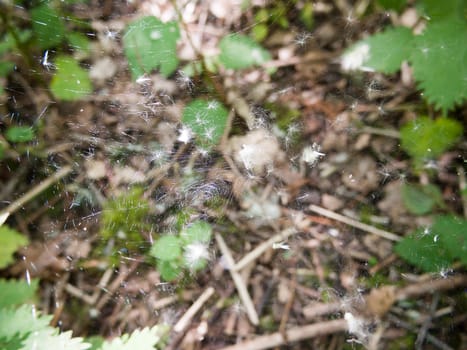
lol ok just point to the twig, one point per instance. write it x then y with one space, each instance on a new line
426 324
239 283
256 253
430 286
382 132
462 188
294 334
191 312
5 213
354 223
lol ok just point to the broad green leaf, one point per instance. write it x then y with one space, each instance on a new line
424 250
10 241
437 9
439 61
383 52
151 44
424 138
453 235
419 199
167 248
239 51
170 270
71 82
20 134
16 292
207 119
199 231
47 26
5 68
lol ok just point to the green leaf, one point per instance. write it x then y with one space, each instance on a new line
207 119
239 51
141 339
452 231
79 42
47 26
383 52
260 32
51 339
437 9
424 138
199 231
16 292
6 67
439 61
396 5
71 82
151 44
22 321
20 134
424 250
10 241
420 199
167 248
170 270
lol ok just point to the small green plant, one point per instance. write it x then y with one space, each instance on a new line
124 220
437 56
436 248
187 250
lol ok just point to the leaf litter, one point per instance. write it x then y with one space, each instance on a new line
298 279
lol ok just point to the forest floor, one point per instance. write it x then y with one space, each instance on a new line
310 221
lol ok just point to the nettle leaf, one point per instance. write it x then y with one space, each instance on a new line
16 292
239 51
71 82
10 241
47 26
141 339
452 231
438 247
420 199
199 231
167 248
151 44
424 138
435 9
207 119
20 134
424 250
47 339
23 321
439 61
383 52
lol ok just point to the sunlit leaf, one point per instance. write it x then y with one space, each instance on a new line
170 270
151 44
167 247
141 339
437 9
20 134
424 138
207 119
239 51
439 61
16 292
47 26
10 241
396 5
79 42
71 82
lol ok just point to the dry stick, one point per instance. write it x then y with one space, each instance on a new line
462 188
5 213
357 224
294 334
256 253
431 286
239 283
191 312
